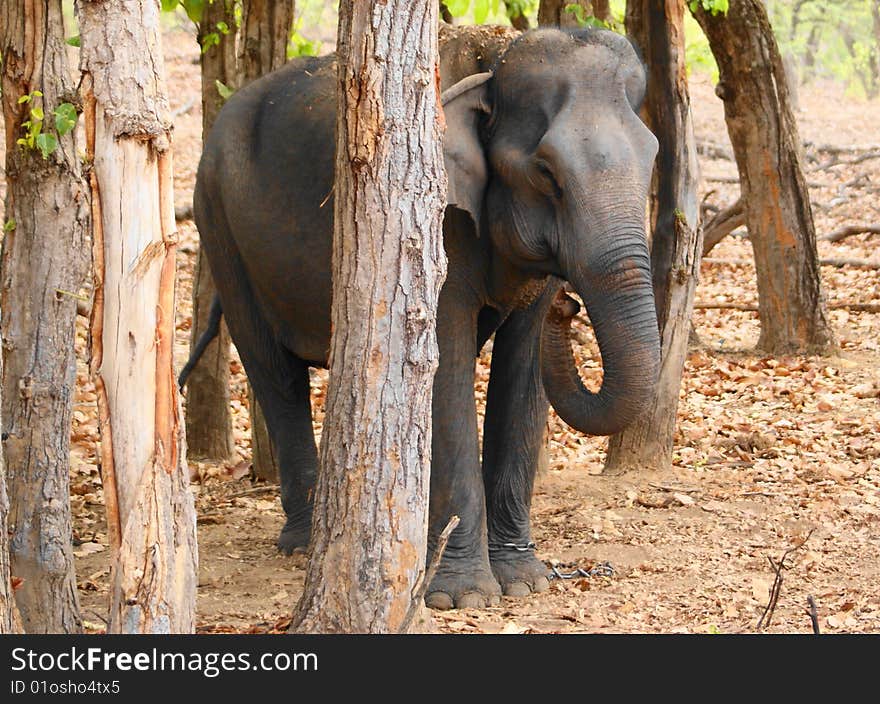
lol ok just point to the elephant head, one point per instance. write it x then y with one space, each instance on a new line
551 160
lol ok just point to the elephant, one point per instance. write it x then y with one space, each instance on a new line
549 166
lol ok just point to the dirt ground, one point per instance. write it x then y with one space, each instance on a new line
769 452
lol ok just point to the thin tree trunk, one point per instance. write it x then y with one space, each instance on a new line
45 263
150 512
765 140
9 620
208 416
677 238
519 21
552 13
265 31
370 531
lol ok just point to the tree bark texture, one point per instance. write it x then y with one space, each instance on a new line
552 13
261 47
677 240
9 621
44 265
150 512
265 32
765 140
369 536
208 415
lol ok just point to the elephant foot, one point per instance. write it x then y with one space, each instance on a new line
459 585
520 573
294 536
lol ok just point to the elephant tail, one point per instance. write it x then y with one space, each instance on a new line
211 331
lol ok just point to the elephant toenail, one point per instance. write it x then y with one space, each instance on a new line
441 601
517 589
471 600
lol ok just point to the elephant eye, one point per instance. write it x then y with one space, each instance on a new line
544 180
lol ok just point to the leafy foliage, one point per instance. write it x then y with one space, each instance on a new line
837 39
714 6
299 45
34 137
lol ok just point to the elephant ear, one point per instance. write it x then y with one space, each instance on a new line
466 165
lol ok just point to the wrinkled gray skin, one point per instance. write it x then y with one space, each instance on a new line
549 159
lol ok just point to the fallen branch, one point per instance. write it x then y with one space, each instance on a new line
777 582
814 615
856 307
421 587
839 262
849 231
837 161
722 224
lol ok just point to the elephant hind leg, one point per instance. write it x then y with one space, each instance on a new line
280 380
513 438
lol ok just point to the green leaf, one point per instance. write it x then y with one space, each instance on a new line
193 9
223 28
224 90
25 99
37 113
209 40
47 144
481 11
73 41
9 225
457 8
170 5
65 118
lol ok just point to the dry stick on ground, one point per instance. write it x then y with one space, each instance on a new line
814 615
836 161
851 306
422 586
777 582
849 231
839 262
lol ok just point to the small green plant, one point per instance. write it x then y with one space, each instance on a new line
300 45
481 8
9 225
34 137
713 6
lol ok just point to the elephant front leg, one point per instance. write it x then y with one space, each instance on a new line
464 578
513 438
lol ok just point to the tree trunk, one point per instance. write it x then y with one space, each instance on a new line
370 531
519 21
9 621
765 141
552 13
677 240
265 31
44 266
208 416
150 512
261 48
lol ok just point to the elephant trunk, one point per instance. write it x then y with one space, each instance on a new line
620 303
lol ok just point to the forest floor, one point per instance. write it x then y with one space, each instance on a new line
770 452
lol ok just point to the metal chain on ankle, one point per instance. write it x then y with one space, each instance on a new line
516 547
602 569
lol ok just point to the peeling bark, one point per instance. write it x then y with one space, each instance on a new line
677 240
44 265
150 512
371 505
